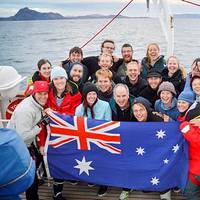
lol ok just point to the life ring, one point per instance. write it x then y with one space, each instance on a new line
13 104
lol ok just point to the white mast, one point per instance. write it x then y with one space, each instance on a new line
167 22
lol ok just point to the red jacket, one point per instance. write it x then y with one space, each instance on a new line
192 134
68 107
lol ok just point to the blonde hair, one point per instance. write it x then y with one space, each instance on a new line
106 73
147 54
106 55
174 58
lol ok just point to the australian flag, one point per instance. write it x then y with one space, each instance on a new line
151 156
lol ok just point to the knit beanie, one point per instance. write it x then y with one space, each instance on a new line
166 86
89 87
58 72
188 96
144 102
40 86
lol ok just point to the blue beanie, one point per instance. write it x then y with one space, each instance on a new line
188 96
58 72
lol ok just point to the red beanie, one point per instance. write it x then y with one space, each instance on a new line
40 86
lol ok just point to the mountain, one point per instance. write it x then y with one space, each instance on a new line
28 14
188 16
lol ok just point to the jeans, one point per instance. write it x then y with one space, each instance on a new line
192 191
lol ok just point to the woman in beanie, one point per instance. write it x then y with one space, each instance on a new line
63 98
94 108
167 104
143 112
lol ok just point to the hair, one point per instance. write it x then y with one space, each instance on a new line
105 55
126 45
174 58
120 85
68 89
42 62
147 54
105 73
134 62
76 50
107 41
196 61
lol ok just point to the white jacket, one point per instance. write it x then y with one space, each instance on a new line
25 118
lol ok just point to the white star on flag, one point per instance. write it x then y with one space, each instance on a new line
155 181
175 148
83 166
140 151
160 134
166 161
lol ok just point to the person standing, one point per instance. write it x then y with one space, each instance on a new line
28 119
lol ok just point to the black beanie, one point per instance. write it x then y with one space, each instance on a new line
89 87
194 112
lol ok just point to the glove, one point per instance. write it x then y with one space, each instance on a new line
44 121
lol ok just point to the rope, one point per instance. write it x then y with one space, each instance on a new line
107 24
190 2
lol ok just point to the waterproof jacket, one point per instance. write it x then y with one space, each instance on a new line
137 87
177 79
25 118
101 111
192 134
172 112
159 65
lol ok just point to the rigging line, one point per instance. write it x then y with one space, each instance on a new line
190 2
107 24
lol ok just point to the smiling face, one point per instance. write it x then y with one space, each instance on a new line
153 52
45 70
76 72
91 97
105 61
182 106
166 97
196 86
133 71
60 83
154 82
140 112
172 65
41 97
75 57
127 54
104 83
121 97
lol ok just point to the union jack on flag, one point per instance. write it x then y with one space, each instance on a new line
77 129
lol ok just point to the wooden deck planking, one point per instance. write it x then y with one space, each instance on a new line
83 192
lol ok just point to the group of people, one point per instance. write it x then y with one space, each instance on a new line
105 87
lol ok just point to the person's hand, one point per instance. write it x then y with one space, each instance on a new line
158 114
42 151
166 118
115 59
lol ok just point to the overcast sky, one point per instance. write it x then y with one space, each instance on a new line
83 7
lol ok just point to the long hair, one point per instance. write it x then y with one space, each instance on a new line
86 106
68 89
147 54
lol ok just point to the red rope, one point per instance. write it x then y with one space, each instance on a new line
196 4
107 24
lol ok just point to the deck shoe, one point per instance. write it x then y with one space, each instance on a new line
102 191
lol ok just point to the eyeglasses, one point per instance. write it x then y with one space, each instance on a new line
112 48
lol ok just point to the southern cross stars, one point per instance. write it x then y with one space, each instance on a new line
175 148
166 161
140 151
155 181
160 134
83 166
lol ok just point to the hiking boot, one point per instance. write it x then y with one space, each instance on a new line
102 191
59 197
72 182
124 195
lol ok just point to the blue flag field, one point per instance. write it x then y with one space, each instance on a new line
151 156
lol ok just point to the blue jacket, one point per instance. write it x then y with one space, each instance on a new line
101 110
172 112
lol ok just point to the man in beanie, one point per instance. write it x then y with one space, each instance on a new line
167 104
28 119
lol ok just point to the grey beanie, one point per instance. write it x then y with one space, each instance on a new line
166 86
